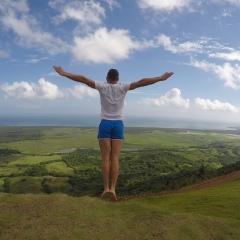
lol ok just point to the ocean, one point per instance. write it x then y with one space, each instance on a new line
93 121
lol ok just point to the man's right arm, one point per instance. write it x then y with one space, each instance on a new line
148 81
75 77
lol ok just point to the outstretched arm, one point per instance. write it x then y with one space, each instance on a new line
148 81
75 77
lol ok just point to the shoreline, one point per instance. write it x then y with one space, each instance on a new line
134 122
133 129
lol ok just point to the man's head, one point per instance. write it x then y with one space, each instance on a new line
113 75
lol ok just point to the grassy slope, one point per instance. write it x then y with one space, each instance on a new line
211 213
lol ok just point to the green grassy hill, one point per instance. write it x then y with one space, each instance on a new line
209 213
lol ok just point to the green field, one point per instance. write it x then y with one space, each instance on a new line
51 140
59 167
47 140
152 159
31 160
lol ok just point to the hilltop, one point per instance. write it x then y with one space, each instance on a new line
209 213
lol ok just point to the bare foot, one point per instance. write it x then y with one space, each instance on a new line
112 196
105 194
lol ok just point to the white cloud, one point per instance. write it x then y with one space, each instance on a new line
4 54
171 98
47 90
89 44
231 56
165 41
105 46
228 73
20 5
44 90
231 2
215 105
15 16
168 44
25 90
35 60
22 90
79 91
234 2
172 5
203 45
165 5
226 13
112 3
84 12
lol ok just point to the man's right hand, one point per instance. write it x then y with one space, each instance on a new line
59 70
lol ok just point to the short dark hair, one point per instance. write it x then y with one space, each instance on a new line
113 74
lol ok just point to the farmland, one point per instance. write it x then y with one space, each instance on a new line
67 159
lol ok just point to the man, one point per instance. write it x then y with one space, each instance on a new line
110 133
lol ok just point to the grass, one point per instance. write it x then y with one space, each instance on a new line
24 184
218 201
18 163
1 184
31 160
59 167
57 184
165 139
211 213
6 170
36 185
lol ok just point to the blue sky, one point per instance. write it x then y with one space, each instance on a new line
197 40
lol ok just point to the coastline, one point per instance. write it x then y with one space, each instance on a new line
76 121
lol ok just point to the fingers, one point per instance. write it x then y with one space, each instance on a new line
169 74
58 69
166 75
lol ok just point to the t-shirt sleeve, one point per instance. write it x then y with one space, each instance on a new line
99 85
125 86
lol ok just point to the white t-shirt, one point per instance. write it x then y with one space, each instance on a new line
112 99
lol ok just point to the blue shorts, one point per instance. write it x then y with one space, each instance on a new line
111 129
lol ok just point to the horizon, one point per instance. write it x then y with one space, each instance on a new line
93 121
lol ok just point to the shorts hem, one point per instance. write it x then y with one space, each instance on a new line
111 138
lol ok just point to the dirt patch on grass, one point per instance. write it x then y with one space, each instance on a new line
210 183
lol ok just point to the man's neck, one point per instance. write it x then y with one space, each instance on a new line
112 82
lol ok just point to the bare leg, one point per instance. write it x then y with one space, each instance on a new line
105 146
116 146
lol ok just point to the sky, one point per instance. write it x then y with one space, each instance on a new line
197 40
